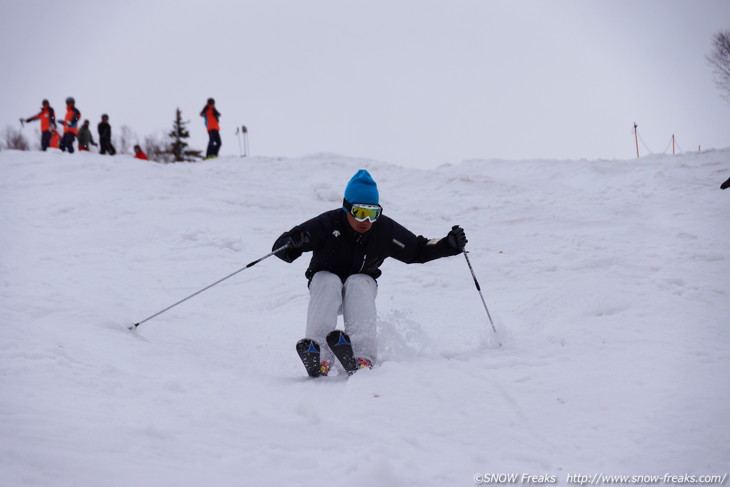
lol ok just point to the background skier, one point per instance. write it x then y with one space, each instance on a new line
349 244
55 138
85 137
211 116
139 153
48 123
70 125
105 136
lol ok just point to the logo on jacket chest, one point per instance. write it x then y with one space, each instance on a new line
336 233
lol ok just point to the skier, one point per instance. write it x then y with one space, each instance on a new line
70 126
105 136
349 244
85 137
139 154
48 123
211 116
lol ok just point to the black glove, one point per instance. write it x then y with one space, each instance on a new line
725 185
456 238
298 239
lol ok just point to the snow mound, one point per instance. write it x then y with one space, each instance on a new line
608 283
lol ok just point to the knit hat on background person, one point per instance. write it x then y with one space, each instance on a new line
361 189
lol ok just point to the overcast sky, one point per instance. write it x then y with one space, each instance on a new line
411 82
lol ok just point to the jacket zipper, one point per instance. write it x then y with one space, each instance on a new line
364 257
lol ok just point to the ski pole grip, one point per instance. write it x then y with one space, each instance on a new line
454 229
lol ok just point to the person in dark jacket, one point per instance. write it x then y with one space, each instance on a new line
85 137
105 136
48 123
348 245
211 117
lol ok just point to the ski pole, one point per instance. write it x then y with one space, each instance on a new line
238 136
480 291
244 131
251 264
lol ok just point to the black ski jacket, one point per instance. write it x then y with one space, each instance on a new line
105 131
339 249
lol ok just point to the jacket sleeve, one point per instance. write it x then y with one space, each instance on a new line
411 249
318 228
75 118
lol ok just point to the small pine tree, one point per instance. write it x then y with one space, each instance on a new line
178 135
178 145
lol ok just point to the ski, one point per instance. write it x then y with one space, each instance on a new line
308 351
339 343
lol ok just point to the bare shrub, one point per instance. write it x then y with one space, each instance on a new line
719 59
14 139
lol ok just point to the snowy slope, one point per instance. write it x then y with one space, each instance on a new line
609 282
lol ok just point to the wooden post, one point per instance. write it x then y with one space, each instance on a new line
672 144
636 136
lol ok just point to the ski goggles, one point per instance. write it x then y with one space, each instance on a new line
366 212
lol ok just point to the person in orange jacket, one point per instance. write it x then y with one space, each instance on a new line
70 125
211 116
48 123
138 154
55 139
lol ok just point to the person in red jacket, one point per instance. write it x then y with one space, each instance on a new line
48 123
70 125
211 116
138 154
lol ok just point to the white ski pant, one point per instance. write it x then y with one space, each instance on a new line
354 300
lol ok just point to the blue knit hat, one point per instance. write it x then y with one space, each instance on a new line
362 189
